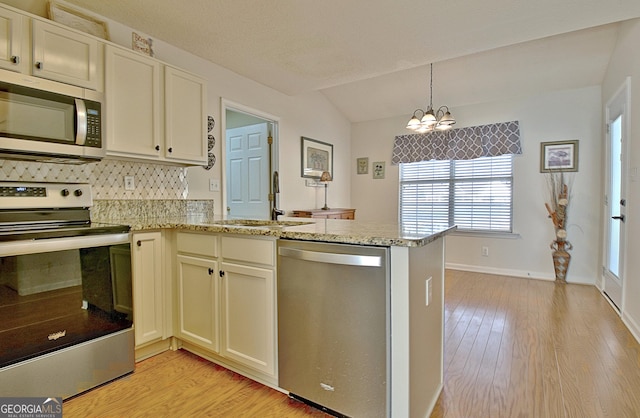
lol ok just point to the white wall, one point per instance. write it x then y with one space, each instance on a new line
625 62
564 115
309 115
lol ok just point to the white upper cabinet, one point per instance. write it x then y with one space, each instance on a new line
150 119
12 51
185 116
132 90
62 55
49 51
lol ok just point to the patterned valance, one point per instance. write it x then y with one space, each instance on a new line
458 144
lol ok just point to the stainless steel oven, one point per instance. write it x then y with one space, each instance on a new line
66 308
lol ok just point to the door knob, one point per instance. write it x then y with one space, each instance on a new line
39 65
15 59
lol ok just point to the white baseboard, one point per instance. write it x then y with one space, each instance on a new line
514 273
632 326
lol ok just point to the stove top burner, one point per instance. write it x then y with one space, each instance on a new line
30 211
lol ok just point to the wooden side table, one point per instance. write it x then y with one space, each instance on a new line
335 213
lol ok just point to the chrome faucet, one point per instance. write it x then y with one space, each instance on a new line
275 212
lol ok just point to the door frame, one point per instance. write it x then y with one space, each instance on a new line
226 104
624 89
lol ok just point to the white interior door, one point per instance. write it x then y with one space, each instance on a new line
615 201
248 172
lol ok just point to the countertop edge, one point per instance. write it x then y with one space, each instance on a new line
289 232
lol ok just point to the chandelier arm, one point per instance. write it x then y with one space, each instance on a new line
431 119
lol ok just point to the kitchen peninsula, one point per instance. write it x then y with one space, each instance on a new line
415 369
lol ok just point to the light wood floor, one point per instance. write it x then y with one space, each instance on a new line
530 348
513 348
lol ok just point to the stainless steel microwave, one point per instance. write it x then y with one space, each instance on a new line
42 120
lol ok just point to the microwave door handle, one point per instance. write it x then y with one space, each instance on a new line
81 117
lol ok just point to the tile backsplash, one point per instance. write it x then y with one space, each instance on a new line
152 180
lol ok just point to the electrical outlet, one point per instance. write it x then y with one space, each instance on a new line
214 185
129 183
428 291
485 251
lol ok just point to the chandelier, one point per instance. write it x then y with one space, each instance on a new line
428 120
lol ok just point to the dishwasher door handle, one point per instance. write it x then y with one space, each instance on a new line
331 258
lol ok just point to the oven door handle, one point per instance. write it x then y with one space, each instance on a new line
48 245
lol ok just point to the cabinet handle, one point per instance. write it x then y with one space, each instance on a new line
157 147
15 59
210 271
39 65
139 243
221 273
170 149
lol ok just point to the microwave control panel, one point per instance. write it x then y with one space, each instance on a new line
94 125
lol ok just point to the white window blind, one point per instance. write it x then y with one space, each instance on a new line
474 194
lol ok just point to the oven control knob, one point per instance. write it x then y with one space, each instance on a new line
77 192
65 192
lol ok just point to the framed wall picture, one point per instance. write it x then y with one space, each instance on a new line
316 157
378 170
142 44
362 165
558 156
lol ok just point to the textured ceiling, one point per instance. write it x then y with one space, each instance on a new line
370 57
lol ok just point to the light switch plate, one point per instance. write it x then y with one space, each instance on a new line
214 185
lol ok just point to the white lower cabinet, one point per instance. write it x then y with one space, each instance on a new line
248 316
198 301
148 295
226 299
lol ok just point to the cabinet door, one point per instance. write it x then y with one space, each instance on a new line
63 55
248 316
146 260
185 117
198 301
11 40
133 114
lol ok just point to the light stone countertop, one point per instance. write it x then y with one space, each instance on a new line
307 229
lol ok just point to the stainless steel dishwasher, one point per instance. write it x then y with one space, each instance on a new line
333 326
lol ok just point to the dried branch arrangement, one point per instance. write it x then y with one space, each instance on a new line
559 189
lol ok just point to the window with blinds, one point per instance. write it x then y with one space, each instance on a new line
474 194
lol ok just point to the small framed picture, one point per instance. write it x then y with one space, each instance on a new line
142 44
362 165
558 156
316 157
378 170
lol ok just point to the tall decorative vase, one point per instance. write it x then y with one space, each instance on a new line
561 258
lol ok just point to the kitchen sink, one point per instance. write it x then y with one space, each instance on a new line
258 223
